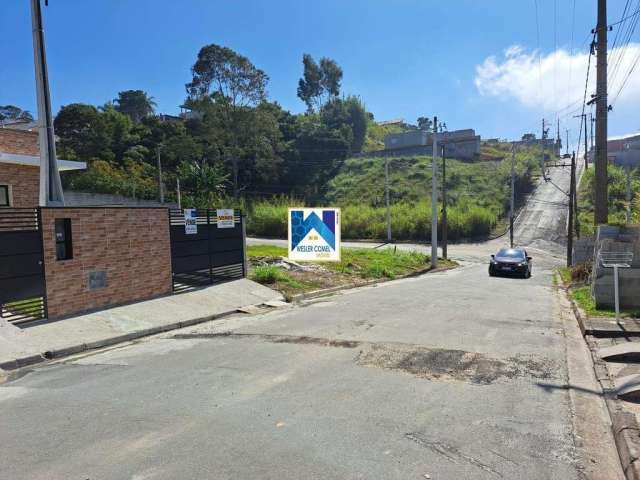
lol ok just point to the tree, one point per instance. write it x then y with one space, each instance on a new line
11 114
202 182
81 133
319 84
338 113
227 74
310 85
135 103
228 89
425 123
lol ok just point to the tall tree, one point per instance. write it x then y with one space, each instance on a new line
225 73
228 89
319 83
135 103
310 85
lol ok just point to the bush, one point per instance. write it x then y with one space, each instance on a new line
267 274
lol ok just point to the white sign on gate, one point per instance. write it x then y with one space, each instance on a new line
190 221
225 217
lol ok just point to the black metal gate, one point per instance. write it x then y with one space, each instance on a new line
208 255
22 282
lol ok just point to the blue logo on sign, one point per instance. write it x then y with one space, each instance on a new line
326 227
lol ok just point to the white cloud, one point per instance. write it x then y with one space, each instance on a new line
554 81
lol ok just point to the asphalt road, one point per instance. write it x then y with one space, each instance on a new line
452 375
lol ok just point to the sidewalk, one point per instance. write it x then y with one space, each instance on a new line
24 346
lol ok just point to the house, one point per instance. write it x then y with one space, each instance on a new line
460 144
20 168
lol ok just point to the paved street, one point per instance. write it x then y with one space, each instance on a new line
452 375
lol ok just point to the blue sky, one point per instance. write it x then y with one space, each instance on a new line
405 58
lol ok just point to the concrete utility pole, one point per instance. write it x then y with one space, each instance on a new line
513 195
444 204
572 192
50 185
586 154
544 174
160 187
601 213
178 194
386 195
434 197
567 148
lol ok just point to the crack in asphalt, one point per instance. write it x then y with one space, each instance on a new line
451 453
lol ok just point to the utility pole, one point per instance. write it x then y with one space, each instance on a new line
601 207
434 196
178 193
628 170
160 187
544 174
50 185
586 156
444 204
513 195
592 121
386 195
567 149
572 192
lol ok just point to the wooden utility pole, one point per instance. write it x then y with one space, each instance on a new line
601 213
572 193
444 205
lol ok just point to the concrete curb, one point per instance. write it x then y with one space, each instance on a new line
106 342
625 428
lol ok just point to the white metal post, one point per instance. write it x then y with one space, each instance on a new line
434 197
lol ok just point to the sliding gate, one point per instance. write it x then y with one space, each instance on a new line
22 283
205 252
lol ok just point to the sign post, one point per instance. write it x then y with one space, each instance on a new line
616 260
190 221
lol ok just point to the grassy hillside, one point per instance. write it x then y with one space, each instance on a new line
478 197
617 197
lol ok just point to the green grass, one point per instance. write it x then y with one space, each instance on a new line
585 301
364 262
269 274
379 263
266 251
617 191
565 275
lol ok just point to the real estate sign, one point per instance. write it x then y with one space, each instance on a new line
225 217
190 221
314 234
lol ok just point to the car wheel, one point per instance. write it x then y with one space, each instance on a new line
491 273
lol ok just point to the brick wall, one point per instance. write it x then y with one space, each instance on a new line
19 142
24 181
130 244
